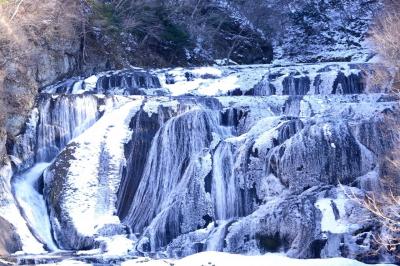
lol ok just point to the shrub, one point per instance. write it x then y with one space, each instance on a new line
384 204
386 37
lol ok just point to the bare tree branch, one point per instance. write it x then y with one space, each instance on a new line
16 10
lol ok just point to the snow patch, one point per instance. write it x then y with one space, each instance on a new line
330 222
116 245
226 259
211 81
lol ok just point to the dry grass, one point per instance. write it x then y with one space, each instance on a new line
27 24
385 35
385 206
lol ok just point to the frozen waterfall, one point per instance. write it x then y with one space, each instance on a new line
225 191
62 118
28 195
200 169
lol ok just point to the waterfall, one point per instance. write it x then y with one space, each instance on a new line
144 128
296 85
224 185
127 83
177 174
26 190
178 161
188 174
62 118
215 241
178 140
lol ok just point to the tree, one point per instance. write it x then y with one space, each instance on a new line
383 201
385 36
384 204
27 27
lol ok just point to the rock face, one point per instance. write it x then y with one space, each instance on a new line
200 169
9 239
313 31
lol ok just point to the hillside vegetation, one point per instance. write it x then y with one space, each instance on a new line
35 36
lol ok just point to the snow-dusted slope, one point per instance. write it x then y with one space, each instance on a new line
313 30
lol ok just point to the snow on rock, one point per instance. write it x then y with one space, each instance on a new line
90 83
30 245
151 105
87 173
68 262
333 211
325 31
288 79
210 81
23 153
115 246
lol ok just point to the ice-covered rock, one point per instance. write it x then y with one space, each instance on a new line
84 179
132 82
223 162
257 80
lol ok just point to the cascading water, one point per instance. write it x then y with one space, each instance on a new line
61 118
178 156
176 142
26 190
215 241
224 186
